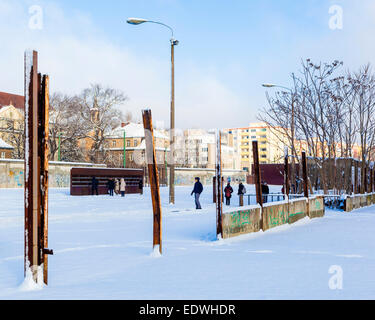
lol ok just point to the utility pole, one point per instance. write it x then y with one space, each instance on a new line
172 133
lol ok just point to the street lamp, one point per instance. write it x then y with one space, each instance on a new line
174 42
270 85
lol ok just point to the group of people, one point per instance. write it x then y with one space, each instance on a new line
198 189
229 190
115 186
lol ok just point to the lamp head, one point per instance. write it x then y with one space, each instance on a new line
136 21
268 85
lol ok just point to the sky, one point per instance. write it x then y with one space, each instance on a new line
227 50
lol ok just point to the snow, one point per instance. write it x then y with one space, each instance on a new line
4 145
103 250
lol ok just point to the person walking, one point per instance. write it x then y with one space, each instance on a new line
197 191
122 187
111 186
228 193
94 186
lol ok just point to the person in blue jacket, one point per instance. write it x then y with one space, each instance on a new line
198 189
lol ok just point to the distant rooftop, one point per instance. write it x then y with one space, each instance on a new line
7 99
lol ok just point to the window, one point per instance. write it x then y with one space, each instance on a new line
2 155
264 150
253 130
135 143
114 143
131 157
253 137
263 156
128 143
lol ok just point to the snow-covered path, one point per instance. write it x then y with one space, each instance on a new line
103 250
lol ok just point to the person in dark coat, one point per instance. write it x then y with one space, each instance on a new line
94 186
228 193
241 189
111 186
141 186
197 191
265 191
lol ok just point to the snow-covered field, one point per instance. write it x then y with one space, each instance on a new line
103 250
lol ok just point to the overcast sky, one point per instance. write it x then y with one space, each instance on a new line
227 50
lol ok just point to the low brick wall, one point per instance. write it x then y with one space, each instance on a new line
273 214
359 201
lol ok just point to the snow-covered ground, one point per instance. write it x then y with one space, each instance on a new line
103 250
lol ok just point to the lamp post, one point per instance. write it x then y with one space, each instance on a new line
174 42
269 85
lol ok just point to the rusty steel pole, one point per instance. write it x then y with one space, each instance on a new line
154 178
305 179
257 173
219 187
286 172
36 169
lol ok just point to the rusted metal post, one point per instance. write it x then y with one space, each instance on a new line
154 178
36 169
214 189
219 189
305 179
257 174
356 191
286 172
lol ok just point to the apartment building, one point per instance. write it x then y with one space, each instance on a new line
271 142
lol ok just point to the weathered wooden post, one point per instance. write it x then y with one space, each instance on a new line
258 178
36 170
153 178
219 189
305 179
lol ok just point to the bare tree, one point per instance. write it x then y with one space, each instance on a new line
98 110
66 127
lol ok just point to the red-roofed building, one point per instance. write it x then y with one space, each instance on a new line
7 99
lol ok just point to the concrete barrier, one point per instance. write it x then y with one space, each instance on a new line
359 201
12 173
243 221
275 214
297 210
316 207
